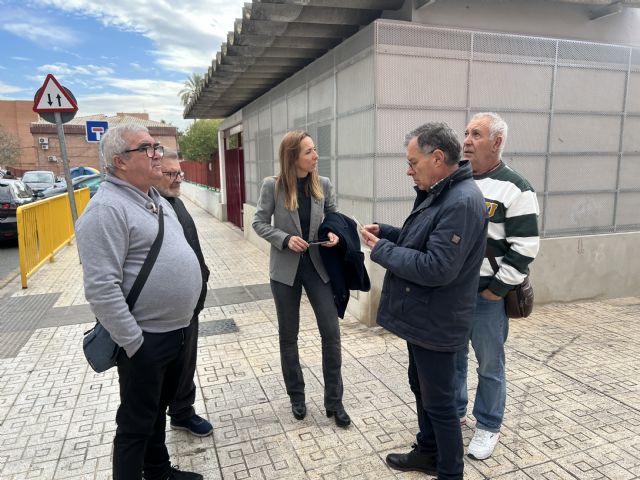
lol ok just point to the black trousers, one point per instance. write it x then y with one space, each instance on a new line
432 380
181 407
148 382
287 301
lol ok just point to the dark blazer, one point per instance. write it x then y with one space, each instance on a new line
191 234
345 261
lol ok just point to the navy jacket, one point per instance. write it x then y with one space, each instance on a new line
344 262
433 264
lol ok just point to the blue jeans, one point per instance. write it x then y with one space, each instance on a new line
489 331
432 381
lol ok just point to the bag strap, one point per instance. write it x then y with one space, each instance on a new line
492 259
141 279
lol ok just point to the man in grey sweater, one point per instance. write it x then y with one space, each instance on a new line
114 236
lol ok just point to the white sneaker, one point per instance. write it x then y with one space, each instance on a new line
483 443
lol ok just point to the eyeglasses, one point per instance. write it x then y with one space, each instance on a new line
174 175
412 166
148 149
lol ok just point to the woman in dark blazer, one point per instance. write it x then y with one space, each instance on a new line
297 199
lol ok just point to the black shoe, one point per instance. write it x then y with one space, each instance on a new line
413 461
299 410
341 417
175 474
196 425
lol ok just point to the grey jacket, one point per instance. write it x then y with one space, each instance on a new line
283 263
114 235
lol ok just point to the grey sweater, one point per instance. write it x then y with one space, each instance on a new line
114 236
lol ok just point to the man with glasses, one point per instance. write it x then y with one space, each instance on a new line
429 290
183 415
115 234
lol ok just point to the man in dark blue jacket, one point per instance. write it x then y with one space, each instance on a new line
429 290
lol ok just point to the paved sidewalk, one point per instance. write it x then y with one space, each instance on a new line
573 409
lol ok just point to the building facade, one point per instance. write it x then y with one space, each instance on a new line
564 75
16 117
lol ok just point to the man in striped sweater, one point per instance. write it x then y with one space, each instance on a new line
513 239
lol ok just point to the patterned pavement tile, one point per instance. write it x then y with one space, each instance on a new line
573 408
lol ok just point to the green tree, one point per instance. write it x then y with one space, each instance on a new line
191 85
9 148
200 140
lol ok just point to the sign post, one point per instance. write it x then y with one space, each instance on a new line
57 104
95 129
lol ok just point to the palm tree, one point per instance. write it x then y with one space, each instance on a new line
191 85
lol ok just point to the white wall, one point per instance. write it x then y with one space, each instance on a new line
534 17
205 198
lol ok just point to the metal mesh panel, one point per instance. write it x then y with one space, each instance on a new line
321 100
279 116
514 48
355 176
394 124
323 144
522 86
391 211
528 132
421 81
582 173
297 110
355 85
628 213
633 93
631 137
252 125
265 159
391 178
580 89
579 212
355 134
264 120
605 56
432 41
573 121
585 133
361 209
630 172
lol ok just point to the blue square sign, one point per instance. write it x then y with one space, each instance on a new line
95 130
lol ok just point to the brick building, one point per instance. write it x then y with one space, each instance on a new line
16 117
80 152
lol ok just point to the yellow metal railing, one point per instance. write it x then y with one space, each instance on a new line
44 227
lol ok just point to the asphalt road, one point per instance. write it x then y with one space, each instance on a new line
9 262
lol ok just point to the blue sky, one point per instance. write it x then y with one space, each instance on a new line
114 55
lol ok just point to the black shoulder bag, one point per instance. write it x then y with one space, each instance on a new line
518 303
99 349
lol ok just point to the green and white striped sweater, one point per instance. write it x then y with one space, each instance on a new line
513 228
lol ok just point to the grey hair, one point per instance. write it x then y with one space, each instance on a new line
113 142
497 126
437 135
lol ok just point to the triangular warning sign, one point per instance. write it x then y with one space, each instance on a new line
52 97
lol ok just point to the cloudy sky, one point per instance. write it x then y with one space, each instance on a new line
114 55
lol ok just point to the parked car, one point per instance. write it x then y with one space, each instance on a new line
91 181
13 194
39 180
